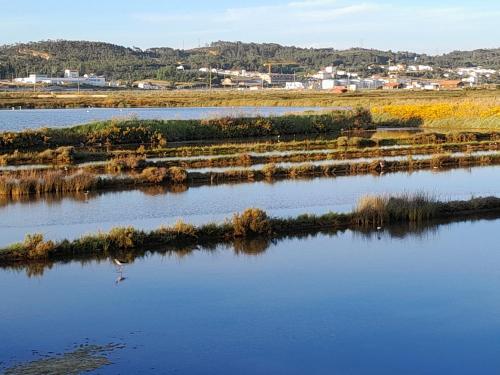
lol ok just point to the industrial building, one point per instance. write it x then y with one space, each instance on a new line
71 77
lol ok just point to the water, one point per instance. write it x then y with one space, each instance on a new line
16 120
70 218
327 162
323 305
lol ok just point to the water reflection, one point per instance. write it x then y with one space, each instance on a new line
414 302
147 209
254 247
63 118
85 197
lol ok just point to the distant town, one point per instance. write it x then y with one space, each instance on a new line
60 65
394 77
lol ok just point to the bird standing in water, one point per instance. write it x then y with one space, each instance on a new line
119 264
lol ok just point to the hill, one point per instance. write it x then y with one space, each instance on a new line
118 62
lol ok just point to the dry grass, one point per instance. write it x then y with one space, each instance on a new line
215 98
253 223
379 210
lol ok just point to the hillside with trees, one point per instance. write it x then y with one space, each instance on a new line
130 64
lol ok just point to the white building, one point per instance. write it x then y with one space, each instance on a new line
32 78
294 86
147 86
71 77
330 69
69 73
323 75
328 84
431 86
425 68
396 68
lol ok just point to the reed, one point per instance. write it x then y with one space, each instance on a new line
46 182
371 212
379 210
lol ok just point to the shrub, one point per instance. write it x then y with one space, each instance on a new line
244 159
154 175
342 141
251 222
269 170
127 162
177 175
36 247
65 155
184 229
122 238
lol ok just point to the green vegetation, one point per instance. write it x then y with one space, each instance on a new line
130 64
253 223
158 132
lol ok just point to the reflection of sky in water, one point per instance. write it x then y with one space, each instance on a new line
339 161
69 218
15 120
322 305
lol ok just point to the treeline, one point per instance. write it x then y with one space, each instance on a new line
130 64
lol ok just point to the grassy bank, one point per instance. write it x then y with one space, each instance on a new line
58 182
69 155
158 132
232 98
371 212
247 160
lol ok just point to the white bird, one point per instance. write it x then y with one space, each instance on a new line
119 263
119 269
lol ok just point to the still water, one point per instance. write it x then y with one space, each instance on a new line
16 120
343 304
70 218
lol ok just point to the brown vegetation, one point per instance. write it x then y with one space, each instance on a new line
252 223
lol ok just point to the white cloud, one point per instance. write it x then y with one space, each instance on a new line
338 23
311 3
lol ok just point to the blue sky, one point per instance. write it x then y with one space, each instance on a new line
423 26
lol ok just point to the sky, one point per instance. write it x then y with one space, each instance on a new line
424 26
